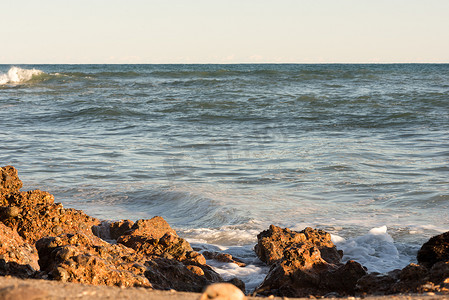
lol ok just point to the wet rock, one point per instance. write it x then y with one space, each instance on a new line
14 249
222 291
434 250
223 257
304 263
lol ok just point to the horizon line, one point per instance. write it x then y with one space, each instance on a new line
234 63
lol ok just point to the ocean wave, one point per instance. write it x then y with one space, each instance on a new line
17 75
376 250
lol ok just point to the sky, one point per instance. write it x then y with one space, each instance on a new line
226 31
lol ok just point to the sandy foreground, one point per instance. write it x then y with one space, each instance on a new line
38 289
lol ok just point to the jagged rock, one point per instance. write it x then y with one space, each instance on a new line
35 215
304 263
120 228
9 181
155 238
434 250
14 249
154 228
223 257
76 258
413 278
168 246
376 283
166 274
272 243
222 291
343 279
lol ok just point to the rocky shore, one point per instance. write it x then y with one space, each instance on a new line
41 241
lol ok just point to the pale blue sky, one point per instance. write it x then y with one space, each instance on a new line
231 31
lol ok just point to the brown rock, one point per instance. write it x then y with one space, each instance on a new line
154 228
76 258
155 238
223 257
170 274
412 279
14 249
344 278
34 215
119 228
69 251
434 250
298 268
9 181
376 283
272 243
169 246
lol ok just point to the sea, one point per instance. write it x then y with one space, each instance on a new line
223 151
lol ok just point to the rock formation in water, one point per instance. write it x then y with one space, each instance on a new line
304 263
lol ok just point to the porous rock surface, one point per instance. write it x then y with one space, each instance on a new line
34 215
41 239
304 263
15 251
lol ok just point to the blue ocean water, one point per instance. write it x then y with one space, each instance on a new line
222 151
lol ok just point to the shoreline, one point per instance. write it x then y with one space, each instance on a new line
48 248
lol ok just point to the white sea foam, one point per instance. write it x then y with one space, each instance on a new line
235 235
17 75
252 274
375 250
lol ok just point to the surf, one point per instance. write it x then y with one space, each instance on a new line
16 75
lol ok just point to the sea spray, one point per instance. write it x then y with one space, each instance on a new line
17 75
376 250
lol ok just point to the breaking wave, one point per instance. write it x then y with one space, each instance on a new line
17 75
